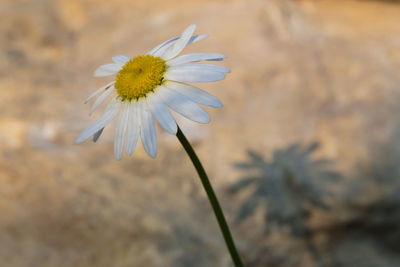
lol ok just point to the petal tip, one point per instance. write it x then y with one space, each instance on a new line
204 120
173 130
97 73
218 105
152 154
192 27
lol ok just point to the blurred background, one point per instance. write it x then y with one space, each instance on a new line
305 154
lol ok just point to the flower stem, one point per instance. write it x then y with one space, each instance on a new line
213 199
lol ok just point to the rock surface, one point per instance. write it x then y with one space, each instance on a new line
303 71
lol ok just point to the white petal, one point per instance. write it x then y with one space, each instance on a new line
133 128
120 59
109 114
189 75
201 67
97 135
195 94
197 38
121 130
98 91
182 105
181 43
195 57
107 70
101 98
167 45
147 130
161 113
163 44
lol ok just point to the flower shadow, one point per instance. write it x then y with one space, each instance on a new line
287 186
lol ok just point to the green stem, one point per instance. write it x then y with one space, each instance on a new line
213 199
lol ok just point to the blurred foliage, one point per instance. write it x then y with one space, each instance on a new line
288 185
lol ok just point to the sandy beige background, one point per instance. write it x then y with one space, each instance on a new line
302 71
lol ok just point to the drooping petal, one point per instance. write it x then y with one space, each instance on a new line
110 112
196 38
121 130
120 59
190 75
107 70
181 43
167 45
101 98
147 130
195 57
98 91
183 105
195 94
200 67
161 113
133 128
156 49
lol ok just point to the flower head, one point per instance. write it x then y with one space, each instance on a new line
147 86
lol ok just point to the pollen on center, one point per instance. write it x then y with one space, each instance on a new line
139 76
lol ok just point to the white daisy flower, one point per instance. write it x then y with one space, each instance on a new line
147 86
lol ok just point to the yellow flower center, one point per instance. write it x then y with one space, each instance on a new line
139 76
